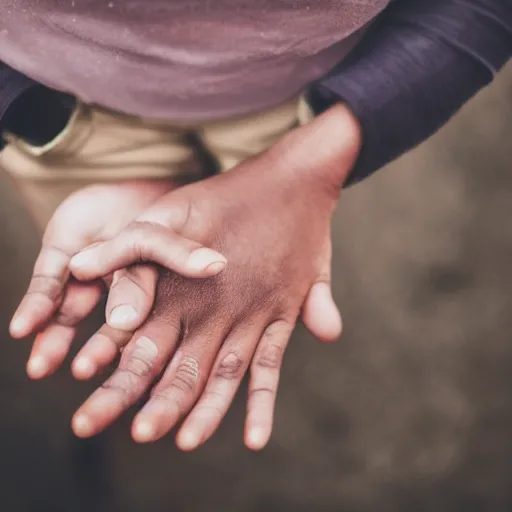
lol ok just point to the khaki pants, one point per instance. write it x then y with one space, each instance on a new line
99 146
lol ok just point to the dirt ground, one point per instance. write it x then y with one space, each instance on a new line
411 411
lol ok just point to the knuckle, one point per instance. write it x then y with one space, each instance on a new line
135 369
273 344
276 330
172 401
270 356
54 251
212 396
230 368
49 286
167 398
139 366
136 239
141 360
186 378
124 382
262 392
139 249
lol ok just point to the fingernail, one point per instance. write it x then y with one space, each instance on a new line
188 440
144 431
82 426
123 317
37 367
206 259
256 438
84 367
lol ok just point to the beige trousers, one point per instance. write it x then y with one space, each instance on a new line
99 146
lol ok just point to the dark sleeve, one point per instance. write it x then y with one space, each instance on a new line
422 60
29 109
12 86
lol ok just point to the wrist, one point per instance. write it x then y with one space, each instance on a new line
343 138
327 148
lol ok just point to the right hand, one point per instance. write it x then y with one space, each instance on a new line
55 303
271 217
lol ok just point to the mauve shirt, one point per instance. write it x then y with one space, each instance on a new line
181 59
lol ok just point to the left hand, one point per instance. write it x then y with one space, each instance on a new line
55 303
271 218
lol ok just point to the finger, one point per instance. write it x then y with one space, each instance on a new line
52 345
99 352
45 291
142 360
179 388
320 313
131 297
228 371
263 384
49 350
147 242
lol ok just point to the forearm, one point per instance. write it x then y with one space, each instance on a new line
422 61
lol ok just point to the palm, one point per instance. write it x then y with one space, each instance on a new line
55 304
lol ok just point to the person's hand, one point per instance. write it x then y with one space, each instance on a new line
55 304
271 218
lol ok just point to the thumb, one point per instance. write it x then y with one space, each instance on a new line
320 313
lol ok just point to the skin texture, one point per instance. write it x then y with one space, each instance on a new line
55 303
271 218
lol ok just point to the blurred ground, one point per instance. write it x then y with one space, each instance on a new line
412 411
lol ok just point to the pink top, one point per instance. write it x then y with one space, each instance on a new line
181 59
